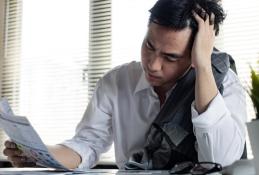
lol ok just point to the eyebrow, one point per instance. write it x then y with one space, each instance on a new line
150 44
173 55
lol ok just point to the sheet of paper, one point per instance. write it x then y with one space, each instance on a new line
26 171
29 171
23 134
5 107
48 171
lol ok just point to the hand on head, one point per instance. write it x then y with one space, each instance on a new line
16 156
204 39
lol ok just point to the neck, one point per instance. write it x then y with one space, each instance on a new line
161 92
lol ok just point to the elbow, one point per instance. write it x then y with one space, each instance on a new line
225 148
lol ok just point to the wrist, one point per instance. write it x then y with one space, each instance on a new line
203 69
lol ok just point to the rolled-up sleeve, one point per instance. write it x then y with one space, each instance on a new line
94 132
220 130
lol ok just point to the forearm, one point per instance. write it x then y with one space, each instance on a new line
205 88
221 141
66 156
221 137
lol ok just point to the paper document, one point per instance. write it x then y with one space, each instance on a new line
23 134
26 171
5 107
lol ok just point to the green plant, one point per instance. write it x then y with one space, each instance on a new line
254 91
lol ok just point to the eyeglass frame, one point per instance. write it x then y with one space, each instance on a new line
189 169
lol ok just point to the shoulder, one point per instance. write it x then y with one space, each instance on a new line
232 85
230 79
126 75
124 68
124 71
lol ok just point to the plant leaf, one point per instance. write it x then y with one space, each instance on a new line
255 89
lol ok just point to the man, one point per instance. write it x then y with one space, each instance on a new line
179 39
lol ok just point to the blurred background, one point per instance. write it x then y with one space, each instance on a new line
52 53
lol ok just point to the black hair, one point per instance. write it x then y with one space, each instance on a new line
177 14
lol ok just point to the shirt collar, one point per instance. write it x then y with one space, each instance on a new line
142 83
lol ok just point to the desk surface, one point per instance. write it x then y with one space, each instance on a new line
45 171
241 167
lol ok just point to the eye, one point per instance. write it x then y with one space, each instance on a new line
149 45
171 58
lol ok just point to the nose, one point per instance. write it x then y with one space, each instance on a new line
155 64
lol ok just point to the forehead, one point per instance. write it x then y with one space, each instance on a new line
168 37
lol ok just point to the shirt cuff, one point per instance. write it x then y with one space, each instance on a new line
214 113
88 158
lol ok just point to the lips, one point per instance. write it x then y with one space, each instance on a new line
152 78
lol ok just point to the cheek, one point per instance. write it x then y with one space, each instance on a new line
144 56
170 73
173 71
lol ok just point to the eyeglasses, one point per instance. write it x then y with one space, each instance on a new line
199 168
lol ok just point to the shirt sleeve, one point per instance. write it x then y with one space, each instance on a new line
220 130
94 132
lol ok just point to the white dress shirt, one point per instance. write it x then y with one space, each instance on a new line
124 106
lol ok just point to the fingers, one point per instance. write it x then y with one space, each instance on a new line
11 149
198 18
21 161
9 144
212 20
12 152
17 159
202 16
15 155
24 164
206 21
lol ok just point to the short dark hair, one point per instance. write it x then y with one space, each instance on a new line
177 14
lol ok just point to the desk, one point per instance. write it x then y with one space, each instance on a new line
241 167
46 171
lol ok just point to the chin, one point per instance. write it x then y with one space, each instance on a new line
154 83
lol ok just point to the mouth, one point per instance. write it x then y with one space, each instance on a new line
152 77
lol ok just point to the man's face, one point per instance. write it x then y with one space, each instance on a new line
165 55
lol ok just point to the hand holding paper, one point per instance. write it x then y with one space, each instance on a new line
26 138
